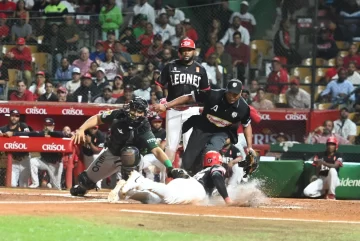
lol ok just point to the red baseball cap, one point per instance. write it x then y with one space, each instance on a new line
20 41
119 77
295 82
276 59
86 76
40 73
187 43
62 89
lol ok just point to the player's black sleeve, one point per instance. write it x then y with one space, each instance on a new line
202 96
164 76
219 182
204 82
107 117
246 120
56 134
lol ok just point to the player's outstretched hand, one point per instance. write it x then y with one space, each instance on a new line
79 137
159 107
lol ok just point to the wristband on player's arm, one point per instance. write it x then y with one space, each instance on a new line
159 94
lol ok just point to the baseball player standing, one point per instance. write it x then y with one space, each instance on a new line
327 166
20 160
224 110
180 77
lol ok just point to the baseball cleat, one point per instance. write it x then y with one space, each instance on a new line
114 195
133 181
33 186
330 197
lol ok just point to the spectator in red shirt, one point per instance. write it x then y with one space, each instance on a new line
21 93
110 42
21 59
8 7
240 55
190 32
4 29
331 72
146 39
352 57
278 78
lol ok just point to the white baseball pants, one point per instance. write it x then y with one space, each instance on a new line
87 161
178 191
241 144
318 187
237 176
150 160
174 122
20 173
54 169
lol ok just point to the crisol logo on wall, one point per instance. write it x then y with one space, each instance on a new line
72 111
36 111
265 116
15 146
349 183
295 116
53 147
4 110
260 139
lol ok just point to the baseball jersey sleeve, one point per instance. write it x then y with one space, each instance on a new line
164 76
107 117
246 120
149 140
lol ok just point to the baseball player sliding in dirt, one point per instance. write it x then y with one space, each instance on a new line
180 77
327 166
183 189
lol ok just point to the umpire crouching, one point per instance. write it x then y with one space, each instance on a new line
224 110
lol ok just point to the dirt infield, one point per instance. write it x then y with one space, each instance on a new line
48 202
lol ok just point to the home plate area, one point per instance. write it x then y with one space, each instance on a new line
38 201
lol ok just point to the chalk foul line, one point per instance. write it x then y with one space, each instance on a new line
236 217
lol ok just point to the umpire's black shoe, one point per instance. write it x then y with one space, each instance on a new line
78 191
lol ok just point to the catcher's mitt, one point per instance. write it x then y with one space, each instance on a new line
250 164
178 173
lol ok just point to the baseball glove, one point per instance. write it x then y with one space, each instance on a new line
178 173
250 164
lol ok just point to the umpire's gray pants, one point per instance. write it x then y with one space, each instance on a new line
103 166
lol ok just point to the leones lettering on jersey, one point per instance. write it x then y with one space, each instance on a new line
189 79
214 108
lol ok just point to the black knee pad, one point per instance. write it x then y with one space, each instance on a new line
85 182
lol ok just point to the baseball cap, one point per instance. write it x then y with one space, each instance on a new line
62 89
118 77
157 71
40 73
20 41
132 65
234 86
245 3
246 91
128 88
111 32
99 42
276 59
86 76
100 69
13 112
49 122
157 119
158 36
76 70
186 21
295 82
3 16
108 87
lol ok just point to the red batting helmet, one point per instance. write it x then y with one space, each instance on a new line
332 140
187 43
212 158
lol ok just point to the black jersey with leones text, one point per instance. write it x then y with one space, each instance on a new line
182 79
204 177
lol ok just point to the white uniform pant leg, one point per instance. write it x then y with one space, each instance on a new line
237 176
15 173
315 188
186 114
144 196
55 171
37 164
173 132
149 160
87 162
241 144
24 172
184 191
332 181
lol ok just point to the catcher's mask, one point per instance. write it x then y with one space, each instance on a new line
212 158
136 111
